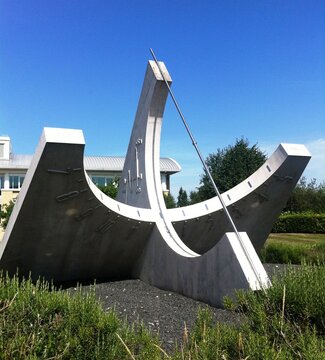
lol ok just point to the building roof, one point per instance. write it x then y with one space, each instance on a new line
92 163
17 162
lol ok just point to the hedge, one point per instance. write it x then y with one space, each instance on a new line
300 223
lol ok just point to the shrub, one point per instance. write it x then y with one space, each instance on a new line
300 223
5 213
111 189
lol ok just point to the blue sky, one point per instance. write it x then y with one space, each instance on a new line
240 68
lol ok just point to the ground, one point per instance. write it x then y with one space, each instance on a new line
162 312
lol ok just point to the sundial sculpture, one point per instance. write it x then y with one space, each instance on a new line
64 228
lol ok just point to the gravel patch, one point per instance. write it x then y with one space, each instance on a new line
162 312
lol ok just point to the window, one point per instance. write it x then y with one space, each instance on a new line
163 178
102 180
2 181
16 181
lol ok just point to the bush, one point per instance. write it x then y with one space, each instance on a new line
110 189
300 223
5 213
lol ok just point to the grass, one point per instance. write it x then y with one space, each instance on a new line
294 248
296 239
38 322
289 316
286 321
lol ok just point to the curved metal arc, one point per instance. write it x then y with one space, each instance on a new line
206 169
256 202
147 132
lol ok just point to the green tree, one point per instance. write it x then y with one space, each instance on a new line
182 199
195 197
229 166
169 201
5 213
307 197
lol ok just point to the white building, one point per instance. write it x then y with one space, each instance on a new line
101 169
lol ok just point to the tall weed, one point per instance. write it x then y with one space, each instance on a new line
285 321
290 314
250 341
39 322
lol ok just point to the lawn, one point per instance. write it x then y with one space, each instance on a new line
292 248
296 239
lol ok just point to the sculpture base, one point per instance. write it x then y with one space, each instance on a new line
209 277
